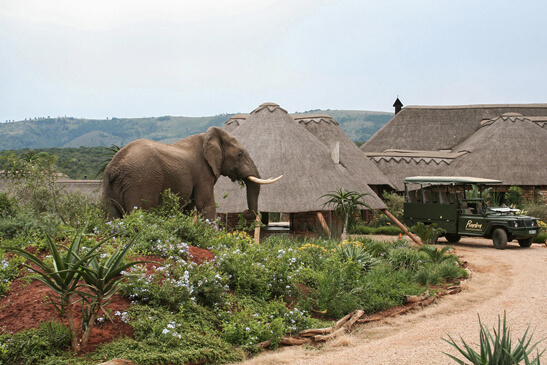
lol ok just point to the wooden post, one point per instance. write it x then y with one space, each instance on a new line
323 223
257 229
403 228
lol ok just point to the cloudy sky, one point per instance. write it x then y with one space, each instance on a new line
134 58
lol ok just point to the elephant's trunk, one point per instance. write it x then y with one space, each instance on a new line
253 190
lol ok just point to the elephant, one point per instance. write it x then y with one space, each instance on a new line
139 173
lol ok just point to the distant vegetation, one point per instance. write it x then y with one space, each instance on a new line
76 163
63 132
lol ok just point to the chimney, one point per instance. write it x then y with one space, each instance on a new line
397 105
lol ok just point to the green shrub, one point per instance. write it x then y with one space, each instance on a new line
450 270
536 209
436 255
9 269
428 275
162 337
35 346
255 321
540 238
7 206
384 288
513 197
408 259
395 204
384 230
428 234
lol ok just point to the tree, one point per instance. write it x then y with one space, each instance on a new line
347 205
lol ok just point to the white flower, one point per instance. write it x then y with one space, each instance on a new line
165 331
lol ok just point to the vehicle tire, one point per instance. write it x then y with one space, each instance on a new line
499 237
526 242
452 237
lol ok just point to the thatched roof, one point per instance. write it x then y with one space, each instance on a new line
440 127
328 131
398 164
234 122
280 146
458 140
510 148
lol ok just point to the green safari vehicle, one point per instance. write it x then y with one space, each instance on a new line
443 200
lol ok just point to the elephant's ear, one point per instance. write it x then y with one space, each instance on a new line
212 149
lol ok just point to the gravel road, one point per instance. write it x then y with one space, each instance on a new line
513 280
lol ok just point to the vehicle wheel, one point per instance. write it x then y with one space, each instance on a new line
526 242
500 238
452 237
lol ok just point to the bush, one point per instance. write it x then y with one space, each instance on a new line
162 337
428 234
513 197
538 210
35 346
395 204
384 288
540 238
384 230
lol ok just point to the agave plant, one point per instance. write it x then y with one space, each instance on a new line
497 349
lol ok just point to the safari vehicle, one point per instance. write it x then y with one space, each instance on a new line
444 200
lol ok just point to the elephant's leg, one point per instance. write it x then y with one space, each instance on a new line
205 203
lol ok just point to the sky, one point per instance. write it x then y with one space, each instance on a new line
141 58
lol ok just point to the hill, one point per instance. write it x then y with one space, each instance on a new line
72 132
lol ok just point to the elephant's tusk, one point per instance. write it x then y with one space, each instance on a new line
262 181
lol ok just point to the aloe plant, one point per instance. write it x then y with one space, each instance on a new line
70 273
102 280
497 349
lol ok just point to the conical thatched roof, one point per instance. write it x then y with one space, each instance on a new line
328 131
280 146
510 148
234 122
440 127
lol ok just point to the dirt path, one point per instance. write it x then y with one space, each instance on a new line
513 280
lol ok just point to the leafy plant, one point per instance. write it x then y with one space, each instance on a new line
513 197
497 348
436 255
43 345
356 252
428 234
347 205
394 203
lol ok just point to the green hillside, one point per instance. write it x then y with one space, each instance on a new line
65 132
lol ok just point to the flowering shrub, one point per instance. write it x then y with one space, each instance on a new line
9 269
259 321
